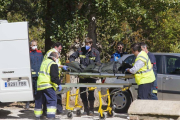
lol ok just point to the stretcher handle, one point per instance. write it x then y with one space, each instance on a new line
134 83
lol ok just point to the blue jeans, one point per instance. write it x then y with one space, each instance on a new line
154 88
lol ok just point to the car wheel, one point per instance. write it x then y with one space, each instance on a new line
121 101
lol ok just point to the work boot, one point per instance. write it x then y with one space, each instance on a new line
86 108
91 109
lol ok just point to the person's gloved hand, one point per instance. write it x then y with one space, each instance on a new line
126 70
59 88
65 67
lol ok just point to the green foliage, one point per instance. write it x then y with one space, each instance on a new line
154 22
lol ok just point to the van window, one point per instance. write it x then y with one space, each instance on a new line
172 65
130 59
158 64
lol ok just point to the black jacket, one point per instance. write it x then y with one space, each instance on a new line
94 53
54 73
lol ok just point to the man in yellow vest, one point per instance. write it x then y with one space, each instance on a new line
56 47
48 82
143 72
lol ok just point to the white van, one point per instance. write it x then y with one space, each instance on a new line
15 70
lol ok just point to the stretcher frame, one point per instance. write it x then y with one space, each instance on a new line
93 86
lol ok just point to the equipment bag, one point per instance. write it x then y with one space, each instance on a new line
94 68
110 67
75 66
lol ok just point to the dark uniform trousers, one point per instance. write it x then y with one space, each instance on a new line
145 91
90 93
47 96
59 103
34 85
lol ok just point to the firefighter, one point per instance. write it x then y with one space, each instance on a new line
57 47
87 55
48 82
143 72
36 58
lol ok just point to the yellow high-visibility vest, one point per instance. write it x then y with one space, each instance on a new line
145 74
44 78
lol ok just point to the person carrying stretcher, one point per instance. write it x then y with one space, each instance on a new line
87 55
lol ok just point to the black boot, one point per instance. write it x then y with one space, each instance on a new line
91 110
86 108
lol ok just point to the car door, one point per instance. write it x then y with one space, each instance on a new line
171 80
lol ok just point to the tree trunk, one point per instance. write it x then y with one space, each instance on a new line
92 29
48 42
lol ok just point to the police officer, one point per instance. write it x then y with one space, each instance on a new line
87 55
142 70
119 52
36 58
48 82
153 63
57 47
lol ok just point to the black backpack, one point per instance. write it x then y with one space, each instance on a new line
123 67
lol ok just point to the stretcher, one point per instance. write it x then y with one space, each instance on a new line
93 86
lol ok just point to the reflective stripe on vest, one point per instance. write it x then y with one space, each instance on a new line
51 109
82 56
154 91
92 58
44 72
147 60
45 85
33 73
38 112
148 70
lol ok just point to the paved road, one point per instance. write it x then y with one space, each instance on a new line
16 112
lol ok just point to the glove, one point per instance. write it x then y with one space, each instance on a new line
65 67
59 88
126 70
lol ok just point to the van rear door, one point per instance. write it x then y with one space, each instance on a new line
15 70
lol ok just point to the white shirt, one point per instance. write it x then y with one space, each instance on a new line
137 65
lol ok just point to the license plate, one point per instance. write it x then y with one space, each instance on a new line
15 84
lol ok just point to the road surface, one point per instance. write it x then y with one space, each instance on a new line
16 111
